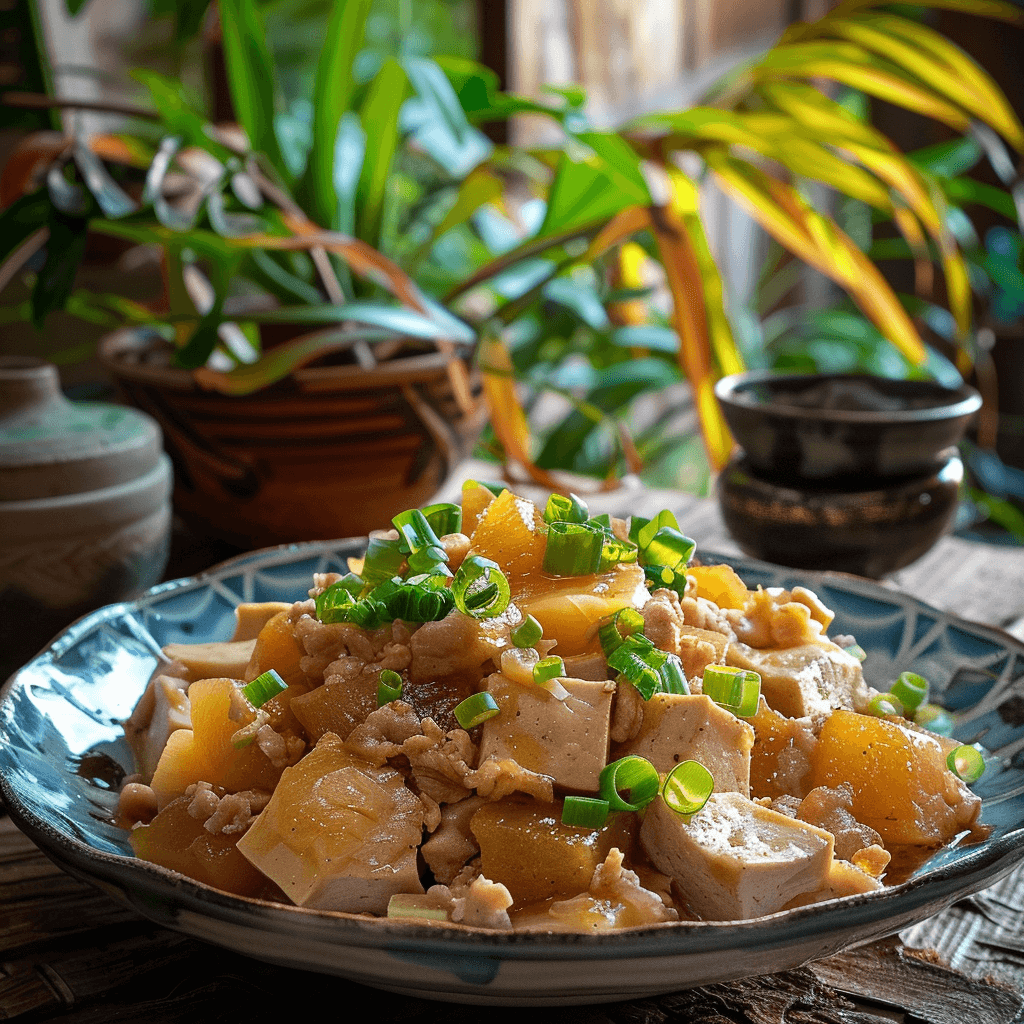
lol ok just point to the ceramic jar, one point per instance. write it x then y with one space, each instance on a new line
84 506
840 471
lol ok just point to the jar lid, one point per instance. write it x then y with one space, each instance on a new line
50 446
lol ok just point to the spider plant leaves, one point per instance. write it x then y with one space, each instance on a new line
251 77
153 192
930 58
178 112
334 92
109 196
18 222
819 242
55 280
852 65
379 117
397 320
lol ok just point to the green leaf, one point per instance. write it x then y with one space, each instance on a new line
333 97
649 336
56 278
583 301
24 216
581 194
251 76
617 158
379 117
963 191
948 159
178 111
112 199
398 319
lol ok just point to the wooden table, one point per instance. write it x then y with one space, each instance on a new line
69 953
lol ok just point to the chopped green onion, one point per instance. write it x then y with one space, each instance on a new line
966 763
636 658
332 603
527 633
669 548
573 549
263 688
444 518
389 687
633 774
584 811
856 651
571 509
885 704
910 690
673 678
480 588
548 668
424 548
687 787
934 719
384 559
617 552
642 531
476 709
736 689
625 622
406 904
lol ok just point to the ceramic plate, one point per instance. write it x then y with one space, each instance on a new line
61 750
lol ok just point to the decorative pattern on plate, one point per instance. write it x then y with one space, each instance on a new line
62 756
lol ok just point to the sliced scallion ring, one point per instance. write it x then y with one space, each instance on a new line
476 709
389 687
687 787
736 689
966 763
639 661
573 549
528 633
883 705
585 811
934 719
444 517
633 774
480 588
625 622
910 690
548 668
263 688
571 509
856 651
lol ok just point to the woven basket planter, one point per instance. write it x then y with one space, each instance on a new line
329 452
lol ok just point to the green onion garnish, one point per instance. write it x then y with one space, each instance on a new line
966 763
736 689
564 509
673 678
527 633
856 651
573 549
883 705
404 904
637 659
911 690
389 687
668 548
934 719
584 811
424 548
332 604
642 531
687 787
384 559
616 552
548 668
625 622
263 688
633 774
476 709
480 588
444 518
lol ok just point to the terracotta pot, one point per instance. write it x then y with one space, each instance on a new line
329 452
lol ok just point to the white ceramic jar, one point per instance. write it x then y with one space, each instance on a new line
85 513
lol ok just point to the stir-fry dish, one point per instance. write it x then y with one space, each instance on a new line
538 719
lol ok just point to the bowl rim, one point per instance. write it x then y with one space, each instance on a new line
734 391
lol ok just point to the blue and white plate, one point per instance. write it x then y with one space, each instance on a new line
61 746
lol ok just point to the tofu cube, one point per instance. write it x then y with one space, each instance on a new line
735 859
684 727
566 740
339 833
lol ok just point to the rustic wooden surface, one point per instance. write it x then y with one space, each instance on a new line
69 953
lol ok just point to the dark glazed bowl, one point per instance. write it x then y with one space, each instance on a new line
870 532
843 428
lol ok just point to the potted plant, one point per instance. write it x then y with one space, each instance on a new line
523 260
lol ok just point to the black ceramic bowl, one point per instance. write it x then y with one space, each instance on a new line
867 532
843 428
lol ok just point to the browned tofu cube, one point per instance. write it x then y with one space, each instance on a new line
525 846
566 740
691 727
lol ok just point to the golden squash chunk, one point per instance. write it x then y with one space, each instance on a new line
719 583
512 532
339 833
901 786
525 846
780 761
205 753
570 608
277 648
475 498
176 840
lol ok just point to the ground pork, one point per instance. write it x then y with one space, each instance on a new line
448 849
778 619
225 814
